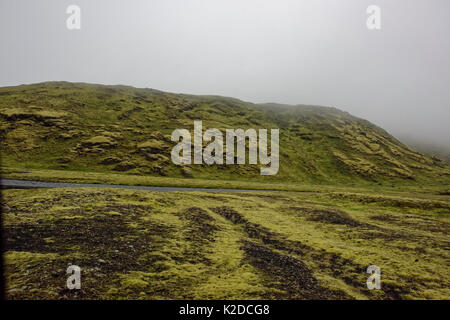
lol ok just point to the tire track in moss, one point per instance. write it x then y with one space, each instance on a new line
199 232
280 265
281 270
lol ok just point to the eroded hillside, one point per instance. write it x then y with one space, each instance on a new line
85 127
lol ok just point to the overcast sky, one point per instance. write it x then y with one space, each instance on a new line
297 52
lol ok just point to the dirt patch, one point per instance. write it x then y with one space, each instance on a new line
103 240
102 245
202 222
199 233
229 214
384 217
329 216
288 274
129 208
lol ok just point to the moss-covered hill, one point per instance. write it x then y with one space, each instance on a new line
86 127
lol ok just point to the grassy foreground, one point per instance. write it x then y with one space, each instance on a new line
133 244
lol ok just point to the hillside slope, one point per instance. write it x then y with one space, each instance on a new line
86 127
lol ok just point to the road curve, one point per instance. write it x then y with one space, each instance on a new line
27 184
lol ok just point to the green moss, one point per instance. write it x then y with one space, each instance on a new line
98 140
180 246
151 144
364 199
133 281
23 257
81 127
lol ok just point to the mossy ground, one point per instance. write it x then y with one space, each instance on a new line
365 199
133 244
109 129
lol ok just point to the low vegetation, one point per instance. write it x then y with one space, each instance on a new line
133 244
110 129
348 195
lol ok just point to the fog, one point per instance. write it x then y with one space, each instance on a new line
297 52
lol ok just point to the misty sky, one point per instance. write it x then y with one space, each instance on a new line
297 52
